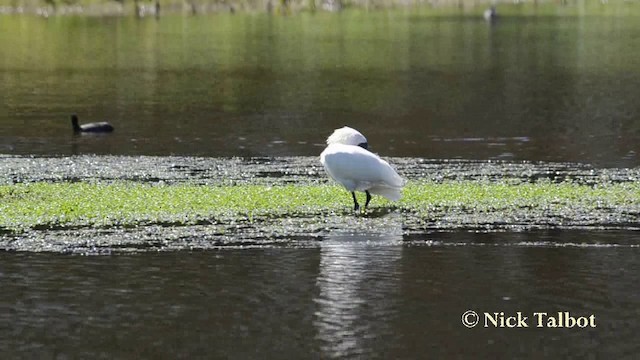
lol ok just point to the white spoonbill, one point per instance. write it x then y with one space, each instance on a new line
348 162
491 14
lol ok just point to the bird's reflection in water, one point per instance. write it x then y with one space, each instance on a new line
358 284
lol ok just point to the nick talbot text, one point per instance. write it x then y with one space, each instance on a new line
561 319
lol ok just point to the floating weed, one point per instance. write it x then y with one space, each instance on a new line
131 204
127 203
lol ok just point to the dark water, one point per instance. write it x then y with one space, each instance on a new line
529 88
556 88
367 296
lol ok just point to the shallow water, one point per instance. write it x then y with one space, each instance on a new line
552 88
530 88
307 224
349 295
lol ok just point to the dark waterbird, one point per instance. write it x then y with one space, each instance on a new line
96 127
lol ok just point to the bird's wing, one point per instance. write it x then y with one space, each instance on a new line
353 163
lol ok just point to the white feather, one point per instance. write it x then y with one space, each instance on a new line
346 136
358 169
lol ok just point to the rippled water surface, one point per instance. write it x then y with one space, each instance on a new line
551 88
369 295
558 88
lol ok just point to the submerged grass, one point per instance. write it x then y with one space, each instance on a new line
65 205
130 204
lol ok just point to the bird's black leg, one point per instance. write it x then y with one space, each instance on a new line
355 201
368 198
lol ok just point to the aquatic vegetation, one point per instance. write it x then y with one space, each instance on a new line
130 204
44 205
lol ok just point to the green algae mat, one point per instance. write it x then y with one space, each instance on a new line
70 203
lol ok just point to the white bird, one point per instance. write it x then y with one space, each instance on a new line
348 162
491 14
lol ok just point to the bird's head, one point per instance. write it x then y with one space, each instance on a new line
347 136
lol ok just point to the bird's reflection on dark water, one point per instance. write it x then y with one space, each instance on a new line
354 294
526 88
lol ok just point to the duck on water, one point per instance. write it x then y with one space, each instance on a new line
95 127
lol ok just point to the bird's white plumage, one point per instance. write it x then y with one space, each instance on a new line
346 136
358 169
491 14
